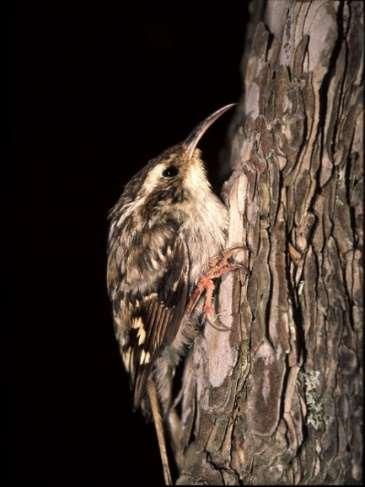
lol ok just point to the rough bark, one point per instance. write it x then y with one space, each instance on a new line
278 398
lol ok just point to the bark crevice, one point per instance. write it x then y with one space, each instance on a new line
278 398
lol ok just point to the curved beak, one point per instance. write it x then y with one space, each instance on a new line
193 138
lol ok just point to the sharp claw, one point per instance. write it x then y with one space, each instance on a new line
237 266
238 247
232 250
219 327
219 266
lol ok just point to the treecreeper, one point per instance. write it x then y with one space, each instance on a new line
166 245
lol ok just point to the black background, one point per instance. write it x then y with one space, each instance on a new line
100 90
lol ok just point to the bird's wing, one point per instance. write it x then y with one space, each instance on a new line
155 317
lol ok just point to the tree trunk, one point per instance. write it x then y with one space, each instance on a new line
278 398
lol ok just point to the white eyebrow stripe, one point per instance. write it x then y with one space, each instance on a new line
153 177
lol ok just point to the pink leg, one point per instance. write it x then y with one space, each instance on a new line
219 267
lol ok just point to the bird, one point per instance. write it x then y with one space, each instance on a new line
165 230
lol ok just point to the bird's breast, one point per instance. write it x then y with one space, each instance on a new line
205 233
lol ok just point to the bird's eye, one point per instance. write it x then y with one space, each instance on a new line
170 172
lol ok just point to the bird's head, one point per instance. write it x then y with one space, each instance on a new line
181 166
178 173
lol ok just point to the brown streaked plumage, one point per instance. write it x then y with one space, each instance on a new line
164 229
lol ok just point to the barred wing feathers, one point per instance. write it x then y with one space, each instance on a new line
153 317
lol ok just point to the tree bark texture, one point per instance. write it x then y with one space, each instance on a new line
278 397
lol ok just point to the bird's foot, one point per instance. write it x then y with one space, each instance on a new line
219 266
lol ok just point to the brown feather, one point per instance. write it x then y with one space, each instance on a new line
153 320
